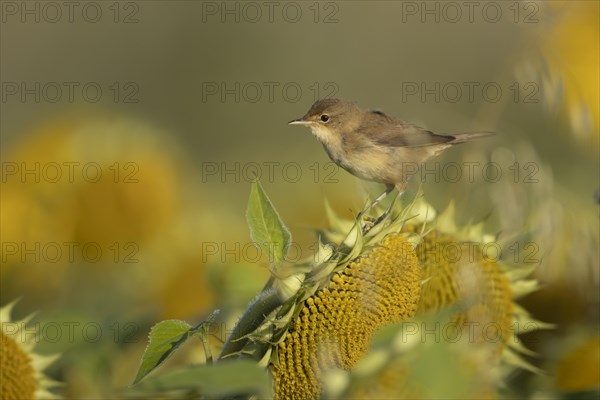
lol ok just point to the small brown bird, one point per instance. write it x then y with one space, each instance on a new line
374 146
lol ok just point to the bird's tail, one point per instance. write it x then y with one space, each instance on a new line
468 136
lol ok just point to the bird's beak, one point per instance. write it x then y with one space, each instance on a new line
299 121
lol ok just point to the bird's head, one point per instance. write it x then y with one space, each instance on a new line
329 119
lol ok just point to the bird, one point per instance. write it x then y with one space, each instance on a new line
374 146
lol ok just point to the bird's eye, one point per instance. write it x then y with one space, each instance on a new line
324 117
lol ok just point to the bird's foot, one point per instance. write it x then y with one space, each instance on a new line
367 223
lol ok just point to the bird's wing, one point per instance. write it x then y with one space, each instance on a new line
387 131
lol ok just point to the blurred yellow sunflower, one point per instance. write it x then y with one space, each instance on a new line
108 195
570 43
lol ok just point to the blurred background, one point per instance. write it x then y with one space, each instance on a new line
130 133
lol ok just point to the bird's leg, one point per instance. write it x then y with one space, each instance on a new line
386 212
369 224
388 189
400 186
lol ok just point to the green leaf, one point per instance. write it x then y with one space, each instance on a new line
266 228
164 338
227 378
